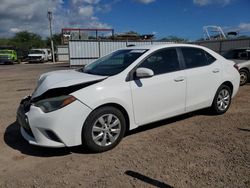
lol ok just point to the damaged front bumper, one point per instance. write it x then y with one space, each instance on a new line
59 128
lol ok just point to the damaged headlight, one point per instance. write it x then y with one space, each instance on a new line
55 103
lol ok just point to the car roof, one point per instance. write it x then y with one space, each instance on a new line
155 47
159 46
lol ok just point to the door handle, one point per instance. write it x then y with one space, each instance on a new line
216 70
179 79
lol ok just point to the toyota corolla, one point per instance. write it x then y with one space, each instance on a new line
95 105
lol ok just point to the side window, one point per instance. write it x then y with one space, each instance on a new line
163 61
194 57
210 58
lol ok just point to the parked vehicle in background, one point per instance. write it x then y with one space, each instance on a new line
49 55
8 56
39 55
241 56
97 104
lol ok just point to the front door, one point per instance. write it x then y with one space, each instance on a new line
162 95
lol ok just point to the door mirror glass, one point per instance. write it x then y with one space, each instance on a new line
144 73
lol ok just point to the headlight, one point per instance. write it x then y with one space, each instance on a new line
55 103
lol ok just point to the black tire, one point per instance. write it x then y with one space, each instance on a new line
244 77
87 134
217 108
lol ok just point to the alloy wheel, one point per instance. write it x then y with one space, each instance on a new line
223 99
243 77
106 130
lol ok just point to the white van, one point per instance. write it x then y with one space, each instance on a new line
39 55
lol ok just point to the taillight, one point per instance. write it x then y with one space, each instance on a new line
236 66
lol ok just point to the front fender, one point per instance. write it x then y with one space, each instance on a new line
101 94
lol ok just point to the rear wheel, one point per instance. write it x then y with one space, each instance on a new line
103 129
244 77
222 100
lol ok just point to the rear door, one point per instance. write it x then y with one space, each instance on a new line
204 76
162 95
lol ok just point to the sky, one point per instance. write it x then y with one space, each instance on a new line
182 18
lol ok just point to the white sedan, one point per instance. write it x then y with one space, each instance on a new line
128 88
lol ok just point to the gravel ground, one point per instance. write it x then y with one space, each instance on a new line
193 150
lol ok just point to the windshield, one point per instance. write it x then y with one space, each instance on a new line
113 63
36 52
5 52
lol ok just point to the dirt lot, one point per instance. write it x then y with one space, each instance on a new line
194 150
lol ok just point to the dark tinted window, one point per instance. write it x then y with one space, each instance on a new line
210 58
194 57
163 61
241 54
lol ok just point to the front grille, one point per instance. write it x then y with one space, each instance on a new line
28 130
22 118
23 121
4 57
35 57
25 104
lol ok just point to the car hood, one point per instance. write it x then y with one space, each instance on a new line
31 55
5 55
62 80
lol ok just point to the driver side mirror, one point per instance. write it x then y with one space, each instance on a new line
144 73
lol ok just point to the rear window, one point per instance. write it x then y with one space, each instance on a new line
195 57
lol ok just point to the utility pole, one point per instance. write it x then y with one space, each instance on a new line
51 41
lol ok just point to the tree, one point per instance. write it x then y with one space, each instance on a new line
5 42
243 37
132 33
173 38
25 40
57 40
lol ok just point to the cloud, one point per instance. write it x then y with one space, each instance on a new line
241 28
31 15
145 1
15 30
85 1
209 2
86 11
244 27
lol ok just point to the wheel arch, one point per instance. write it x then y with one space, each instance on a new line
229 84
122 109
245 69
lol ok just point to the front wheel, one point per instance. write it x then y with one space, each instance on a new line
222 100
103 129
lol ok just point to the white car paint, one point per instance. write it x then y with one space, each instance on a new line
146 100
62 78
147 110
60 121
